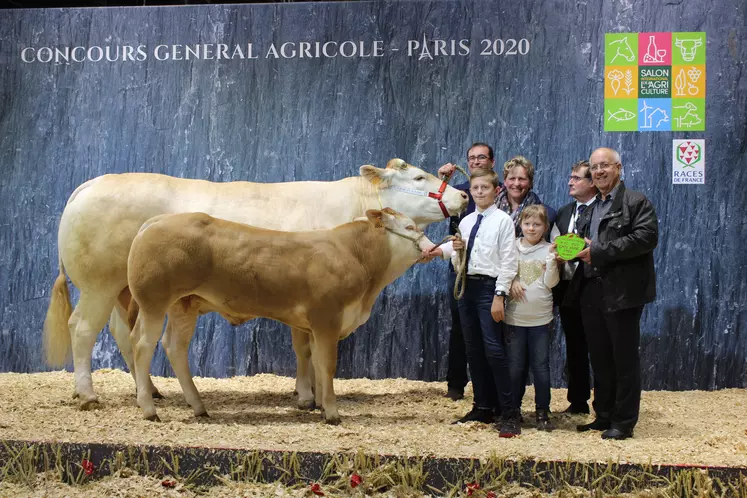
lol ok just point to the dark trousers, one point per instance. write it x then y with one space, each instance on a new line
529 347
613 339
486 349
577 355
456 374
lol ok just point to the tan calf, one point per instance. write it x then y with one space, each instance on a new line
321 282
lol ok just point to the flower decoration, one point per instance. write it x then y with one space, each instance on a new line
472 487
87 466
355 480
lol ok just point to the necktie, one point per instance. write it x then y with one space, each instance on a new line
579 211
471 241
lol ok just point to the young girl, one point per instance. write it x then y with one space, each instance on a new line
529 312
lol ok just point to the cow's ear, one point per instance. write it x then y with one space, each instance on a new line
374 216
377 176
397 163
391 211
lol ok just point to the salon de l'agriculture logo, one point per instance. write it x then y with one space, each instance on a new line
655 81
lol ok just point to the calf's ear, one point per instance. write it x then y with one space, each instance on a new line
374 216
377 176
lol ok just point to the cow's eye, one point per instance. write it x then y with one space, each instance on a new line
419 178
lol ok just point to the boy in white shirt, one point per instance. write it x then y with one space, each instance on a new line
492 263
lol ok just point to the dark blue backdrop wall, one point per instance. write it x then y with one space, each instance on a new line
298 118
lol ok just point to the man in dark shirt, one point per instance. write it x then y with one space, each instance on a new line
479 156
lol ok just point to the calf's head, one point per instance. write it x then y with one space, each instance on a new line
414 193
401 228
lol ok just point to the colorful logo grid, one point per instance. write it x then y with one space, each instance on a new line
654 81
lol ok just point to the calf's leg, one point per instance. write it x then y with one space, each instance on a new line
144 339
121 333
325 361
179 331
304 369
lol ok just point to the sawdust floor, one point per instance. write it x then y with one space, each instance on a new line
392 416
146 487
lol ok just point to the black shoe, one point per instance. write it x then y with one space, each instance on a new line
617 434
454 394
543 421
598 425
484 415
577 408
509 427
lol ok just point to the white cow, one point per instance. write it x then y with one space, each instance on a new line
103 216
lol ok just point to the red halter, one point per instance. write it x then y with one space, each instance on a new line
438 196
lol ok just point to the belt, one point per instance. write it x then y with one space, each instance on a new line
481 277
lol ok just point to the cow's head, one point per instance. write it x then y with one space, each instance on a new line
401 228
413 192
688 47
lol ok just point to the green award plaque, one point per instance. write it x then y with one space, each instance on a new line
569 245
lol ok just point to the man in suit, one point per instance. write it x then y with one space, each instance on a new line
582 189
617 279
479 156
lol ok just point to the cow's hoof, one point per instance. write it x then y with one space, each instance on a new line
295 392
333 421
309 405
202 415
76 395
90 404
153 418
157 394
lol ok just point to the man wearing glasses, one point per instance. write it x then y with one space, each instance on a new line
614 283
581 188
479 156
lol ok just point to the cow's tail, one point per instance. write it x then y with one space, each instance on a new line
57 342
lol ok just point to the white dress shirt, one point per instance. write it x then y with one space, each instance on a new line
494 251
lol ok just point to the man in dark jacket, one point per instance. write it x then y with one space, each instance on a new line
581 188
479 156
617 280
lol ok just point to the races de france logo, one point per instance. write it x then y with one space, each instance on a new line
688 153
688 161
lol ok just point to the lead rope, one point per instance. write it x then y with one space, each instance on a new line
461 267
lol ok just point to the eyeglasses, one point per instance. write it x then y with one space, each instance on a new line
604 166
575 178
472 159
